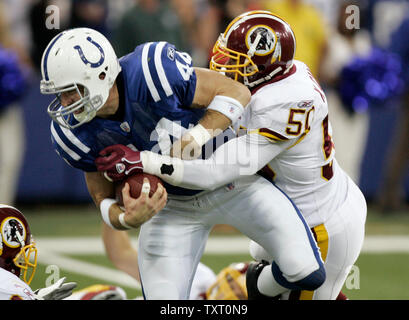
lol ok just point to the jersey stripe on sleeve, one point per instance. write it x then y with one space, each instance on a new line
269 134
159 69
147 73
62 145
74 140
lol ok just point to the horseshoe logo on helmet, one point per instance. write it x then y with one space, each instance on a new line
85 60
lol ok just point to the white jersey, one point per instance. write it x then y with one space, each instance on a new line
294 110
288 138
13 288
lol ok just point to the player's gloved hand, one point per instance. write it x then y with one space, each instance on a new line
57 291
119 161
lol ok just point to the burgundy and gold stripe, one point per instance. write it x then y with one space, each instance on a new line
270 134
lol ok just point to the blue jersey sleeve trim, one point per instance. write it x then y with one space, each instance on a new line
171 78
71 149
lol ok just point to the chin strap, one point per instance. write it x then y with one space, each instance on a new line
266 78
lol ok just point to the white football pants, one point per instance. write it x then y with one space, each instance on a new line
340 239
171 244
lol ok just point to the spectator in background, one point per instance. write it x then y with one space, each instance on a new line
72 14
12 88
41 35
391 196
146 21
344 44
91 14
218 15
199 20
309 28
229 9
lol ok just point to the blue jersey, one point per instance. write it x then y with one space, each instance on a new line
156 87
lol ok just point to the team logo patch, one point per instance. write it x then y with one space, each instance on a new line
263 38
13 232
171 53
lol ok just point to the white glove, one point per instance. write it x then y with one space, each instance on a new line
57 291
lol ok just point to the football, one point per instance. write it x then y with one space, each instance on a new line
135 183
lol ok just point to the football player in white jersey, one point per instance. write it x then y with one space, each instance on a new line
288 141
18 258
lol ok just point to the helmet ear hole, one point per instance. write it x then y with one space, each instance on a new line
102 75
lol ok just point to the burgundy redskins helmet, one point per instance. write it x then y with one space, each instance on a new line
17 250
230 283
257 45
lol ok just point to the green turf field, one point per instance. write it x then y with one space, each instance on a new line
381 275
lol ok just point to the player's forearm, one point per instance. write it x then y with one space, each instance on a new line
232 160
211 84
195 174
101 189
224 100
190 145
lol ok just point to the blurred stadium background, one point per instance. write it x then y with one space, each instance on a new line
360 60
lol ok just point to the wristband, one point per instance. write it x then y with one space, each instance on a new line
122 221
104 208
165 167
230 107
200 134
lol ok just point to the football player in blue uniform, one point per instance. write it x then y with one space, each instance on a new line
153 99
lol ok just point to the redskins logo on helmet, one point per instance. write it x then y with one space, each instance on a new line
261 40
13 232
230 283
17 249
257 46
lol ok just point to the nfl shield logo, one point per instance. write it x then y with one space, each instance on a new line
125 127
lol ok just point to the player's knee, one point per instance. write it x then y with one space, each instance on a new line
258 253
314 280
296 265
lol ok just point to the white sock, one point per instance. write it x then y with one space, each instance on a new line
267 285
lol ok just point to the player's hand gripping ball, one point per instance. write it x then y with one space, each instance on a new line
135 185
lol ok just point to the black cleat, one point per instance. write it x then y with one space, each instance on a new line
252 275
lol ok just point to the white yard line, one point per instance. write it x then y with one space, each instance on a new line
88 269
215 245
52 251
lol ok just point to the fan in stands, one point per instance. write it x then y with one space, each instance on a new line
135 184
